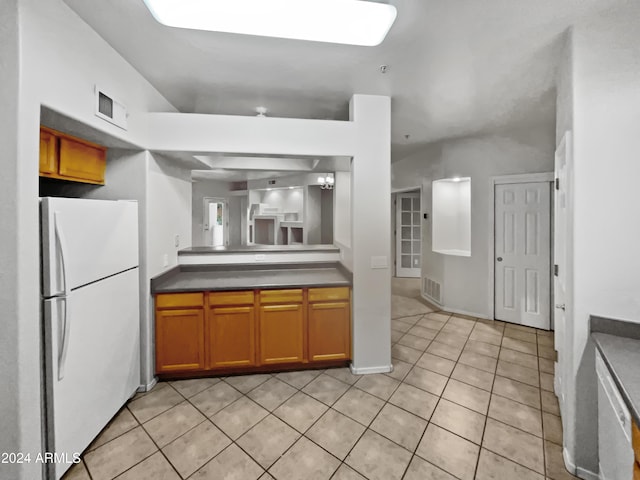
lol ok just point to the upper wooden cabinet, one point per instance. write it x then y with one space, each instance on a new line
69 158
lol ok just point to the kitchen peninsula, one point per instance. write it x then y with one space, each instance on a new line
256 308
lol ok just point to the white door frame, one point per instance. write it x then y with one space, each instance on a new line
206 228
501 180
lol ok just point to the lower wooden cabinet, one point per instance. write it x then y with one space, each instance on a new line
241 330
180 340
281 334
329 331
231 336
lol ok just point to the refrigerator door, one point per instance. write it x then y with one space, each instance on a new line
100 363
86 240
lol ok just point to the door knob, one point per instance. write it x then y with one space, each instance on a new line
561 307
499 259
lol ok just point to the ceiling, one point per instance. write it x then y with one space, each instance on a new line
455 67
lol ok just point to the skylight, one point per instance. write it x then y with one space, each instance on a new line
352 22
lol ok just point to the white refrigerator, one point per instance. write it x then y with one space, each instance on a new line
91 320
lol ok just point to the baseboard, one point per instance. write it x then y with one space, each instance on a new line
465 312
577 471
148 386
431 301
369 370
586 474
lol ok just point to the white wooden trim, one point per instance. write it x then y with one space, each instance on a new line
523 178
465 312
148 386
370 370
407 189
502 180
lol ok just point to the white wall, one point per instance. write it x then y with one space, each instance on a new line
342 216
606 203
465 280
19 263
169 213
287 200
312 215
54 40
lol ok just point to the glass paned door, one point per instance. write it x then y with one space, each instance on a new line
408 235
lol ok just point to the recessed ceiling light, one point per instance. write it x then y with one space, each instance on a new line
352 22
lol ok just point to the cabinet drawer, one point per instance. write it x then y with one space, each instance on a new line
281 296
635 435
173 300
231 298
333 293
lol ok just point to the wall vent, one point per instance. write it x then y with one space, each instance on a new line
431 289
110 110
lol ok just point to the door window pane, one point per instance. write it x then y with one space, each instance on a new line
406 204
416 233
406 247
406 218
406 261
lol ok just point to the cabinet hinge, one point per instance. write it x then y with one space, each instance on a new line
555 270
557 184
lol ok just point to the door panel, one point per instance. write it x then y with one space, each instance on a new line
179 340
329 331
408 235
99 369
522 251
281 334
231 334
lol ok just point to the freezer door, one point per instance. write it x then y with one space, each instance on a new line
86 240
100 363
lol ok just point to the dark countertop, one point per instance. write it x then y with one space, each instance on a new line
622 356
246 277
258 249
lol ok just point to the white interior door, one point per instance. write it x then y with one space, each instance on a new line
408 235
216 223
523 253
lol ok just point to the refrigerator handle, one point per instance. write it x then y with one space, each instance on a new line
66 329
63 252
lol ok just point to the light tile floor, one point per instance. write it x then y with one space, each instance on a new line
468 399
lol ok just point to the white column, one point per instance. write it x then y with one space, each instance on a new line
370 233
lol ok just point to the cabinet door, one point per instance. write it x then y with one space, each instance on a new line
48 163
231 337
281 334
329 331
82 161
179 340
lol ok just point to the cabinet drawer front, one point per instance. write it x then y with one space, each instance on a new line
231 298
281 296
333 293
173 300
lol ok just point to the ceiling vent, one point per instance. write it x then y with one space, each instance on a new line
110 110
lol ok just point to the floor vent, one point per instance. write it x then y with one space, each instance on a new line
431 289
